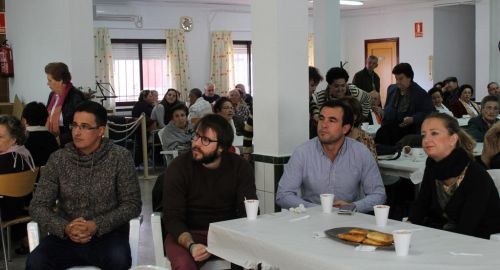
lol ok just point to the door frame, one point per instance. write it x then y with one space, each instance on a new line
380 40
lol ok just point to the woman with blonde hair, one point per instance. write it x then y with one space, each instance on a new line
457 194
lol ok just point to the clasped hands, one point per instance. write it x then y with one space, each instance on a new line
199 252
80 230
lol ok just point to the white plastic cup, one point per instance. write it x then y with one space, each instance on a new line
252 208
402 239
327 202
381 214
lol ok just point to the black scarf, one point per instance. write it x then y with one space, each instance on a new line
451 166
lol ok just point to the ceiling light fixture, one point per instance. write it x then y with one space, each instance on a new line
351 3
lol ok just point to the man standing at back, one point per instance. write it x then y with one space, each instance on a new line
332 163
366 78
96 187
207 184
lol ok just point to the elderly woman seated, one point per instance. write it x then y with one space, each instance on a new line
356 132
178 133
14 157
464 105
241 111
457 194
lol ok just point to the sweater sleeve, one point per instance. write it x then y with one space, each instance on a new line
174 198
246 187
44 199
128 196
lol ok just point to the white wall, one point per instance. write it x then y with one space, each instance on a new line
159 17
48 31
454 44
389 23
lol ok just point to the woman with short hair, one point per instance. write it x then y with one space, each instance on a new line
465 105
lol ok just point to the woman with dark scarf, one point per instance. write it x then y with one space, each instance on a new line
162 113
457 194
62 101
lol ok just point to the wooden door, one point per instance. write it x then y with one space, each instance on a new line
387 51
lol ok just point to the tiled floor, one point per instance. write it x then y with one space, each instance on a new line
146 254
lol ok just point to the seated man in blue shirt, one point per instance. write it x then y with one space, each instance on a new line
332 163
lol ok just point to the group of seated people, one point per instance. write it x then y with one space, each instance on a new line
97 192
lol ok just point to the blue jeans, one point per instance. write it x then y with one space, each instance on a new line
110 251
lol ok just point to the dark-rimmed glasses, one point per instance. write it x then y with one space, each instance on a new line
204 140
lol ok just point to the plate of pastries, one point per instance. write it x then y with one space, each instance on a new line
359 236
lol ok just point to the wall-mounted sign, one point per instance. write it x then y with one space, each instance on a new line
419 29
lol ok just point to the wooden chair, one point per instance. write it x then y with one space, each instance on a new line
134 237
15 185
163 261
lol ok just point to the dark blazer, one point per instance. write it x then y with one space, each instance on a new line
41 144
475 206
477 128
420 106
363 80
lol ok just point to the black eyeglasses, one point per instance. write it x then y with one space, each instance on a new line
204 140
83 127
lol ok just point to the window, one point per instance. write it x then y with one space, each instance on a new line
243 64
138 65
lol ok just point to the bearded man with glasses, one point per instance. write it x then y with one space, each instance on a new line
95 184
207 184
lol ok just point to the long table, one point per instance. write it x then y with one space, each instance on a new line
411 167
285 240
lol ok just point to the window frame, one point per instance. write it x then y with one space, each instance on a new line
248 44
139 43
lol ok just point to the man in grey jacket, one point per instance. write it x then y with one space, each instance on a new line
95 184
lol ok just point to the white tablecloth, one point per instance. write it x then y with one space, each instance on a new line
279 243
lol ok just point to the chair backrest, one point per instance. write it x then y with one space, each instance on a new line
160 135
495 174
18 184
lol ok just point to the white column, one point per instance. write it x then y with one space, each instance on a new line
327 41
49 31
281 114
487 38
279 33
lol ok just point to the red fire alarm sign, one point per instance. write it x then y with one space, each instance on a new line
419 29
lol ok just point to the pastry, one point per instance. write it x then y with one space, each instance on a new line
357 238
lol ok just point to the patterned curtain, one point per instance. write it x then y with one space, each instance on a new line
178 67
310 49
104 64
222 62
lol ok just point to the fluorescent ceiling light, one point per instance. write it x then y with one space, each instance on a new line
351 3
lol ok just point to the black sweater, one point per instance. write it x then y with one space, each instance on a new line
194 196
475 206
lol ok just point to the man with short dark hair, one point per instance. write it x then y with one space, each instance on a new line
205 185
210 94
95 184
40 142
450 90
367 79
198 106
406 107
479 125
332 163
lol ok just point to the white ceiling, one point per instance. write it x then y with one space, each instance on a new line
367 3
